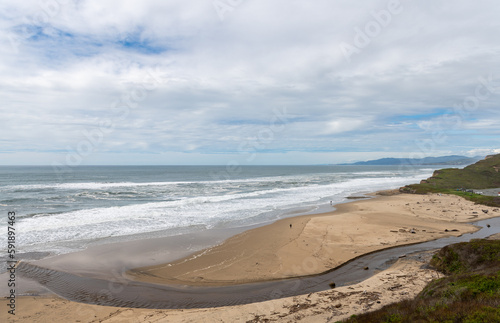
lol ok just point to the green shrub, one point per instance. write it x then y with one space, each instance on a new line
470 294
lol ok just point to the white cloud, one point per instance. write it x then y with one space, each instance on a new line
221 80
344 125
482 152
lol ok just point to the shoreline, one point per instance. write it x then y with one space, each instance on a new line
100 260
313 244
96 260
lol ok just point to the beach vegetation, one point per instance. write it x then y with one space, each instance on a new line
469 293
464 182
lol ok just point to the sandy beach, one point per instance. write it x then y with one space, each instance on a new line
298 246
312 244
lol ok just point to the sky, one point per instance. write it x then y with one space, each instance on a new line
244 82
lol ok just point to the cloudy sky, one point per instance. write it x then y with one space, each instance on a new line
246 81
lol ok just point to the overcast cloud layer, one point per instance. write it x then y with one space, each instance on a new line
247 81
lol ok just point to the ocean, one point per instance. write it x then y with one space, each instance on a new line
61 212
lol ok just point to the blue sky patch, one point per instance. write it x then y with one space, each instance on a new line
423 116
136 42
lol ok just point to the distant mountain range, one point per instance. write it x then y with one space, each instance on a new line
443 160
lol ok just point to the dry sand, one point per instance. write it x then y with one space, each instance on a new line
313 244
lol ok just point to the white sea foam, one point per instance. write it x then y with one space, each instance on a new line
87 186
201 204
262 180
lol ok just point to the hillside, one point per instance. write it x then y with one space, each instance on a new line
443 160
470 292
481 175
